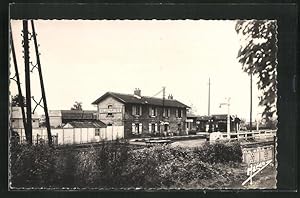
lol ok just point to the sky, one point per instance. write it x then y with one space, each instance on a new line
81 60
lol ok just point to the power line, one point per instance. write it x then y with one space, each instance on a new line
157 93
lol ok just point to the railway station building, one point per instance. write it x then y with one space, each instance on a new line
142 115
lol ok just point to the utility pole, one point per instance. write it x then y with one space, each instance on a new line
163 109
42 85
251 102
208 97
27 82
21 102
164 93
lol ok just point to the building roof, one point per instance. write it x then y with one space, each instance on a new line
130 98
216 117
78 115
204 117
221 116
191 115
86 124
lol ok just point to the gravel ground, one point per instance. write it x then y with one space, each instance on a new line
189 143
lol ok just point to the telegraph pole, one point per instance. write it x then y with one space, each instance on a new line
27 82
251 102
42 85
163 109
208 97
21 102
164 92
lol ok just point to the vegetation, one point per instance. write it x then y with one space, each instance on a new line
77 106
258 55
16 101
117 165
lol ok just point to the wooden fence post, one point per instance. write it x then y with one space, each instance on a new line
37 139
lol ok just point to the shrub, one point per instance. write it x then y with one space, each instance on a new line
32 165
115 165
220 152
66 163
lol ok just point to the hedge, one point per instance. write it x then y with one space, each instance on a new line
116 165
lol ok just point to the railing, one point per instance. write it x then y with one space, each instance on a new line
263 134
38 139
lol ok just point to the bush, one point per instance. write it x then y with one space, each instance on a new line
226 152
115 165
32 166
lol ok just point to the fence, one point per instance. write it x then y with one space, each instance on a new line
263 134
74 135
258 154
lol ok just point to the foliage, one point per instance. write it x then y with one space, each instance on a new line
116 165
258 55
32 165
220 152
16 101
77 106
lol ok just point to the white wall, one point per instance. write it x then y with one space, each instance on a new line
77 135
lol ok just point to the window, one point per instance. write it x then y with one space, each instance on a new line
152 127
109 114
137 110
179 113
152 111
136 128
166 127
97 132
166 112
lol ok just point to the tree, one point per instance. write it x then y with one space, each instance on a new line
258 55
16 101
77 106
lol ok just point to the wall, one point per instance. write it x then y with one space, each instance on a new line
16 119
77 135
117 118
145 119
55 118
17 123
55 121
258 154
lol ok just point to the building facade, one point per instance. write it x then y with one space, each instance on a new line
17 119
141 114
213 123
58 118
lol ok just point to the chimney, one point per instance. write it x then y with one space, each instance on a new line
170 97
137 92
